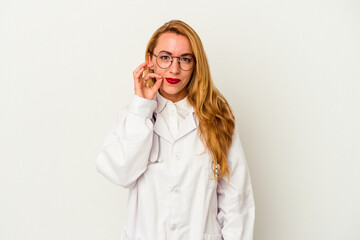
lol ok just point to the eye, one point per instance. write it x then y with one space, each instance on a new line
186 60
165 57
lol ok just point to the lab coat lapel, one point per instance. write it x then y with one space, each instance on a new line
161 128
188 125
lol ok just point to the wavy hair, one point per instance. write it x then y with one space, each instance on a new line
216 120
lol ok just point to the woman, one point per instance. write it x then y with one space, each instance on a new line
176 149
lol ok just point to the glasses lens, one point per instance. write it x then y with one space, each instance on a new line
186 63
163 60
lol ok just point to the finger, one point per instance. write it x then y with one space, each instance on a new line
143 65
139 69
150 65
151 75
138 74
157 84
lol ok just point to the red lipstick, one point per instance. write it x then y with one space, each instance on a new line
172 80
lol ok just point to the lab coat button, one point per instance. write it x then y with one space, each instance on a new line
177 156
173 227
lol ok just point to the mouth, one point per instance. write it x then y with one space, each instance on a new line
173 80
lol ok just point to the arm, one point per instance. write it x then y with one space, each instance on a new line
126 149
235 198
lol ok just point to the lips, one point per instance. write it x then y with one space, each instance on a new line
172 80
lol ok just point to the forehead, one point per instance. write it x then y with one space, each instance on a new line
175 43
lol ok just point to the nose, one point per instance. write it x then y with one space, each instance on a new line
175 66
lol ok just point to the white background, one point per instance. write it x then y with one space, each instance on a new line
290 70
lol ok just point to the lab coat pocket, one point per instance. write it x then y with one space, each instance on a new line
212 236
154 154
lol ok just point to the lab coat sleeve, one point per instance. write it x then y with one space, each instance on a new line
236 207
126 149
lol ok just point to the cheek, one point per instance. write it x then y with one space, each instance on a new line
159 70
188 76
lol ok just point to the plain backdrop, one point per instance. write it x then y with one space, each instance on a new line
290 70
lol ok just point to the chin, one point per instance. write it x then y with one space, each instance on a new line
170 92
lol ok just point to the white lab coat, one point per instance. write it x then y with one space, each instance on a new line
171 193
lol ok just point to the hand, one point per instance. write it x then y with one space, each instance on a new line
140 82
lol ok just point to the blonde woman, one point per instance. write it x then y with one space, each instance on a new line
176 148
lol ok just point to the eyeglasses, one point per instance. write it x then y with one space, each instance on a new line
164 60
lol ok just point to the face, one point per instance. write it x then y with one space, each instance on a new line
175 79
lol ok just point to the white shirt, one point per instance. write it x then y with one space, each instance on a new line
173 113
168 173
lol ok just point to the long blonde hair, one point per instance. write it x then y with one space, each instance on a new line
216 120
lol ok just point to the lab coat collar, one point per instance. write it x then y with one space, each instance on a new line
188 125
183 106
161 128
161 102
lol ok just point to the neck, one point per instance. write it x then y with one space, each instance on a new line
174 97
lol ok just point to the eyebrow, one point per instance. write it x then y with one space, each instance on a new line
184 54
